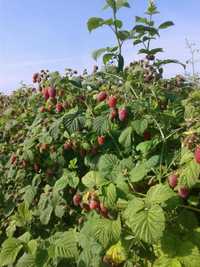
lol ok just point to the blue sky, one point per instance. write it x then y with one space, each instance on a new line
52 34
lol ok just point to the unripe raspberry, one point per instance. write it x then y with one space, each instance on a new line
183 192
173 180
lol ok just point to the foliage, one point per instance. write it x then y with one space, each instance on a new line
82 185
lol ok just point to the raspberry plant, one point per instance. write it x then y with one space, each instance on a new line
100 170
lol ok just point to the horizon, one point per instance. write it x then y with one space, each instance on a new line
53 35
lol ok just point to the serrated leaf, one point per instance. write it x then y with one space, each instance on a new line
110 195
74 122
186 155
142 169
45 214
125 138
148 224
64 246
147 146
101 125
29 195
140 126
159 193
92 179
189 174
106 164
26 260
107 232
9 251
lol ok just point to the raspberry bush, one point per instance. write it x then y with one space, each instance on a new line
102 169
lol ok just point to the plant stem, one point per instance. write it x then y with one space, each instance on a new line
190 208
116 32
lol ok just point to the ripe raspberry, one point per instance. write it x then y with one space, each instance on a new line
35 77
52 92
77 199
101 96
112 101
59 107
197 155
45 93
42 109
147 135
94 204
113 113
123 113
67 146
101 140
13 159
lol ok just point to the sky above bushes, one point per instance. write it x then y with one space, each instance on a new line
52 34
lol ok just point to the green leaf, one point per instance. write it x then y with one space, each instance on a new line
141 170
110 196
147 146
164 261
185 251
101 125
189 174
122 3
152 9
23 215
155 51
123 35
97 53
186 155
107 232
64 245
118 23
92 179
125 138
45 139
142 20
159 63
9 251
62 183
106 164
166 24
74 122
139 126
26 260
94 23
30 193
107 57
142 29
147 224
159 193
45 214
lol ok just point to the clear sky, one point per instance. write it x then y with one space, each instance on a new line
51 34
